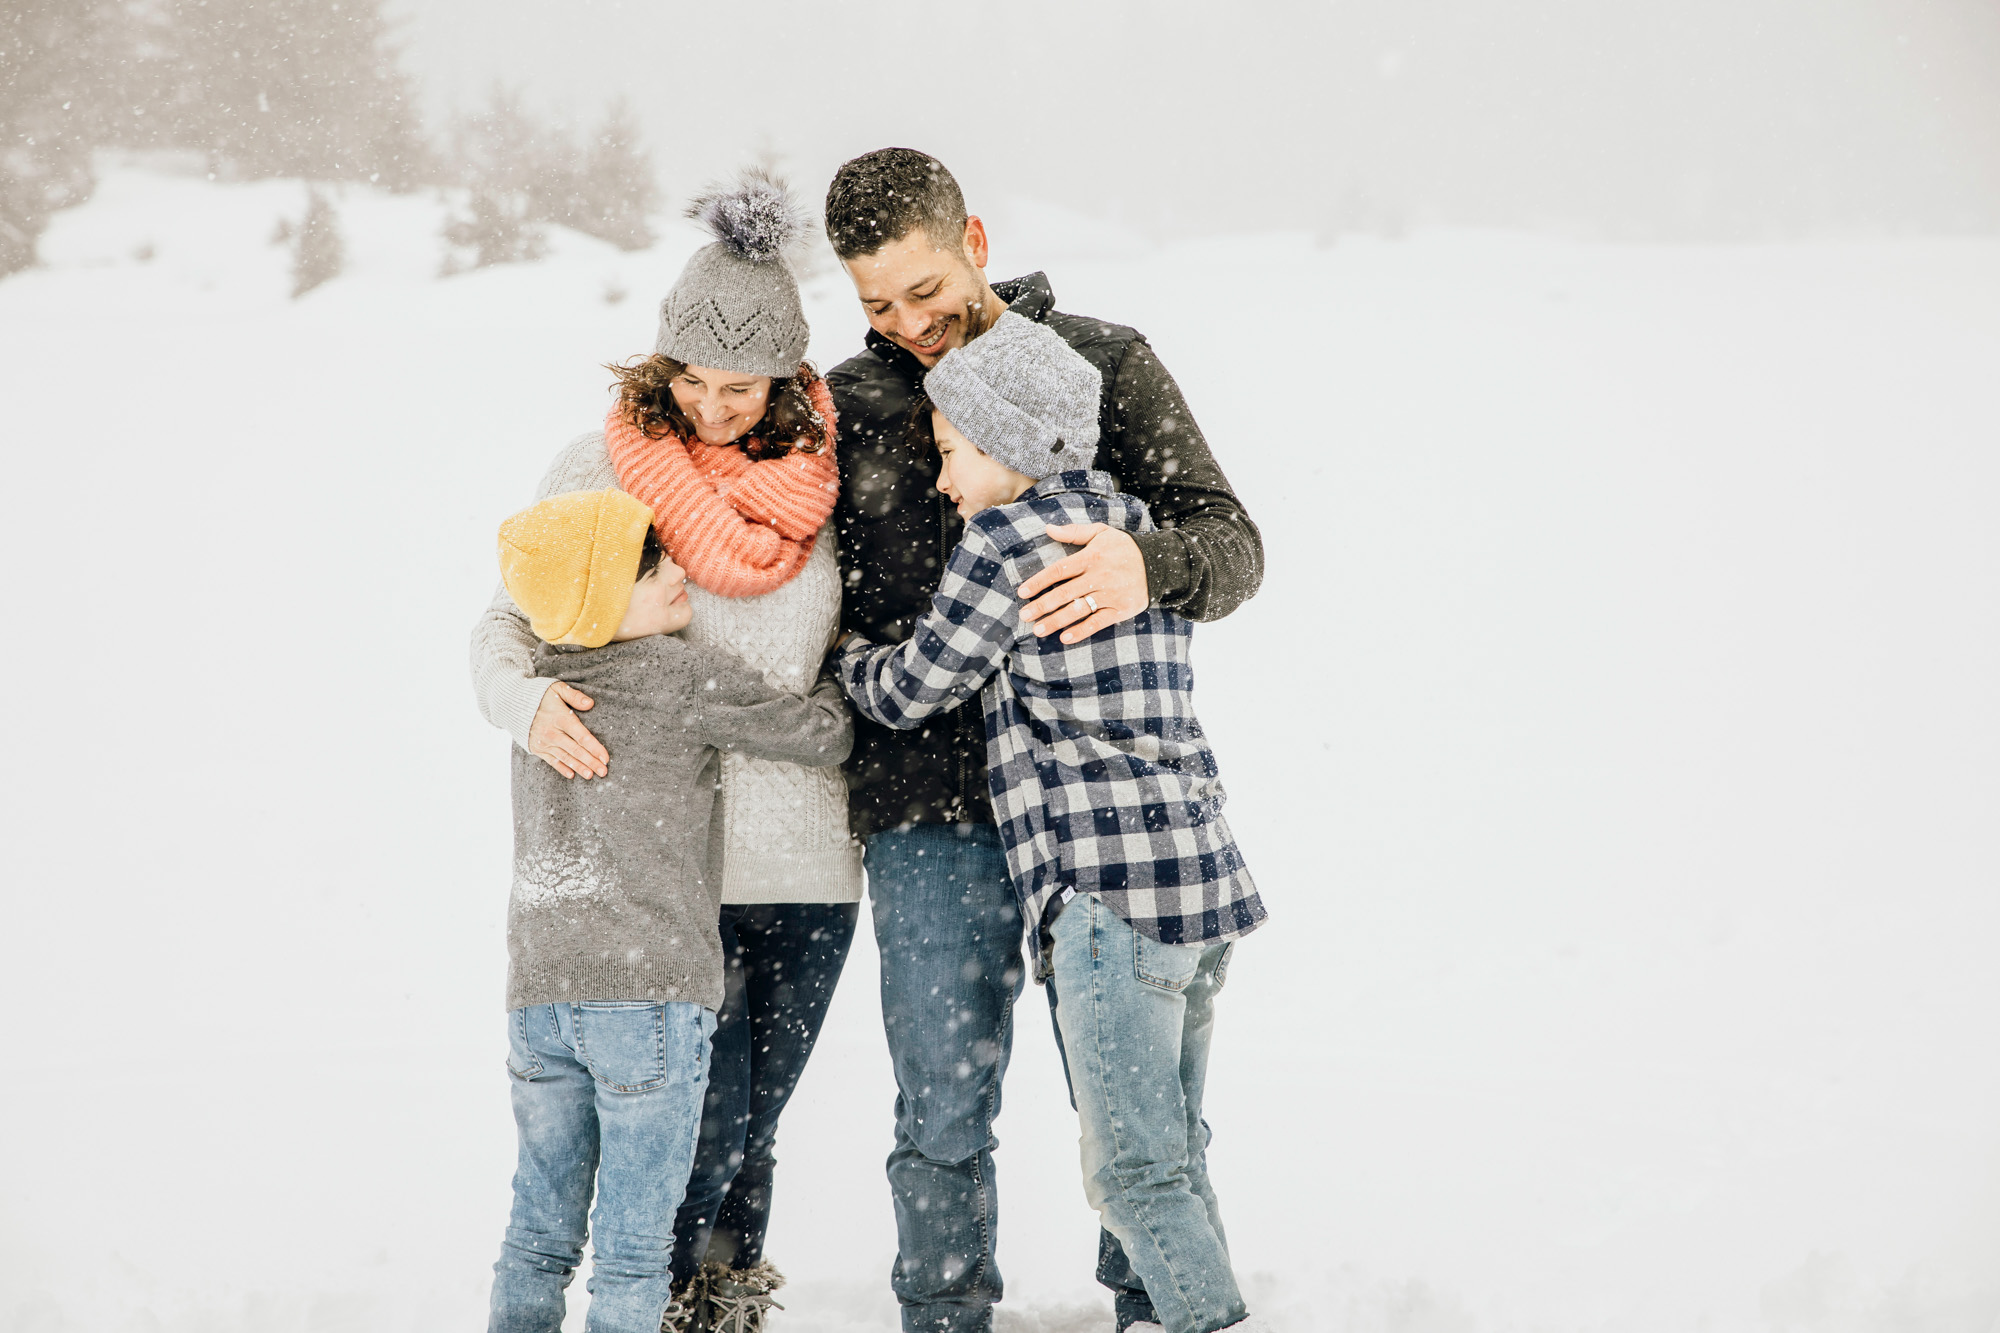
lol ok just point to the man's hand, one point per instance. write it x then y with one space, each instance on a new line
563 742
1094 589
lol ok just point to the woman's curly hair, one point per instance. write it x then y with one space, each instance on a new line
790 421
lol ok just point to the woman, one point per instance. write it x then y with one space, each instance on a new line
727 434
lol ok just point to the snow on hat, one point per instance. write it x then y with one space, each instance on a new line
1022 395
736 305
570 561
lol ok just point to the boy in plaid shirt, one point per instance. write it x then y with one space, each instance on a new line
1106 794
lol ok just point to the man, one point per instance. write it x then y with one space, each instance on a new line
946 923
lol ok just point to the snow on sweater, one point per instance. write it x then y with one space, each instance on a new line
615 893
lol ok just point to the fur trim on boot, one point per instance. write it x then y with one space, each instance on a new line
735 1299
690 1302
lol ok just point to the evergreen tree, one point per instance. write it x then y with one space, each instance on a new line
518 176
288 88
53 111
616 192
317 250
500 147
493 228
523 174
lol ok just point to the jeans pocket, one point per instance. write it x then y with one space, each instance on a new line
1167 967
1222 964
623 1043
522 1062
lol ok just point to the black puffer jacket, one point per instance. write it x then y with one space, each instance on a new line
896 533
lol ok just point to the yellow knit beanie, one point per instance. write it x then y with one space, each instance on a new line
570 562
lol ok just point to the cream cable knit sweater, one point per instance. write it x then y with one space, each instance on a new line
784 828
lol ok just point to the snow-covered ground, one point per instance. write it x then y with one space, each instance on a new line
1615 740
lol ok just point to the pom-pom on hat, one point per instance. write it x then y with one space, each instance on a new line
736 305
1023 395
570 562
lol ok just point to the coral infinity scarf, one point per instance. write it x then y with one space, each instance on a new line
739 528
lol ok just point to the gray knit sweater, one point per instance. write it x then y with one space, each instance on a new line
784 826
617 880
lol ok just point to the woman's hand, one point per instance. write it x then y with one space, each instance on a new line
561 741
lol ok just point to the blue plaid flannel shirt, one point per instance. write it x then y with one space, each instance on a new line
1102 779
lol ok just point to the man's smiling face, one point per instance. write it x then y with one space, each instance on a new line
924 298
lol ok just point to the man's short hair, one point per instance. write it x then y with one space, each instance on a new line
883 196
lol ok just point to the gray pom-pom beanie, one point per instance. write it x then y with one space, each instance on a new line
1023 395
736 305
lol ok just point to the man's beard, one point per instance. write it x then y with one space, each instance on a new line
974 318
978 318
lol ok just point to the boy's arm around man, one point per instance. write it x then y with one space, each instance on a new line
960 642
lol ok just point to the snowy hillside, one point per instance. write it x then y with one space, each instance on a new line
1614 740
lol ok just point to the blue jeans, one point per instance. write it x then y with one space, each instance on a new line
781 962
607 1092
1136 1017
1129 1301
948 926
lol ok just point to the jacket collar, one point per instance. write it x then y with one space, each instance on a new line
1093 481
1030 296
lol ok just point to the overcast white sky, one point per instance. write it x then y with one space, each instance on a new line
1695 117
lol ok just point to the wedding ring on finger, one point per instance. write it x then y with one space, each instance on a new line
1090 601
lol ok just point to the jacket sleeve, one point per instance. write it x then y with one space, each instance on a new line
733 708
959 643
1207 557
504 682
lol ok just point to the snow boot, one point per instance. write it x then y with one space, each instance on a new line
689 1304
734 1299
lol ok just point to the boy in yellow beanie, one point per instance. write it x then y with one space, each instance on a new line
615 962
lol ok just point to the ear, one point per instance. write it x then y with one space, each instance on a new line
975 243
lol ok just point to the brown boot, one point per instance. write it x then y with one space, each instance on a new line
735 1299
687 1312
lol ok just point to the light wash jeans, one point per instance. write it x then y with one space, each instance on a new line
607 1091
1136 1017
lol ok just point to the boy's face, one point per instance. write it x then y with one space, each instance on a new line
972 480
659 603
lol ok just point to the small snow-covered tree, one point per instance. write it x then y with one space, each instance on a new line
492 228
616 192
523 174
318 252
514 171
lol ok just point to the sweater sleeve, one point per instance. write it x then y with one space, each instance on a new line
960 642
1207 557
733 708
770 492
504 682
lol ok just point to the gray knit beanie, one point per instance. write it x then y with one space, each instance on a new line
1023 395
736 306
